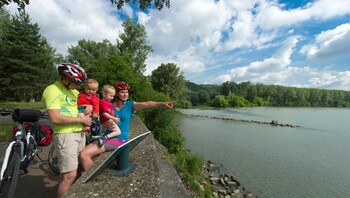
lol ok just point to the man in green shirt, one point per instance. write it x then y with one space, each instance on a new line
60 99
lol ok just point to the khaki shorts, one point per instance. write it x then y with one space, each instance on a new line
69 146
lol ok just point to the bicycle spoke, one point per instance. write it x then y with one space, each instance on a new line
53 160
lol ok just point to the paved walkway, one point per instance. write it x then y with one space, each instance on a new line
153 176
40 182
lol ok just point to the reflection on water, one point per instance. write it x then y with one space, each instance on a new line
309 161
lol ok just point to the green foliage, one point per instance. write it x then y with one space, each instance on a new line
191 169
6 130
26 58
88 53
144 4
246 94
15 105
168 80
185 104
237 101
260 102
113 69
133 42
194 87
159 121
220 101
199 97
21 3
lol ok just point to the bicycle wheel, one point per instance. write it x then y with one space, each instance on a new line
53 160
9 181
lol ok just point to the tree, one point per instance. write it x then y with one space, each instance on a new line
26 58
159 4
21 3
168 80
87 53
102 62
133 42
203 97
4 18
144 4
220 101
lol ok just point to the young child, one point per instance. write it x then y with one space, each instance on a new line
89 97
107 115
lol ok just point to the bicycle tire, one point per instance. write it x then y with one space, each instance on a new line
9 181
53 160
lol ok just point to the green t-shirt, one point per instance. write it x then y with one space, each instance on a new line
56 96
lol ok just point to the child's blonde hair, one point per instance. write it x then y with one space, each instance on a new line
108 89
90 81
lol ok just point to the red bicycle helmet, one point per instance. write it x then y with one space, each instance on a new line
121 86
73 73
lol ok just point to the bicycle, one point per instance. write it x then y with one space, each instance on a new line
20 152
95 131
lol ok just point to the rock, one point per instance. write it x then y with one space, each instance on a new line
248 195
222 192
215 195
225 185
222 181
232 183
214 179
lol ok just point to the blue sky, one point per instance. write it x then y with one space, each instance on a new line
287 42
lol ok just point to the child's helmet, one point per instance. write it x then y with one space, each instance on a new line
73 73
121 86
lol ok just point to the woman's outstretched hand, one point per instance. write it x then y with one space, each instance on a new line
169 105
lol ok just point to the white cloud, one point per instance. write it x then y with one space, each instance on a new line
277 70
331 80
330 43
188 60
270 69
271 15
231 26
65 22
128 10
228 25
205 37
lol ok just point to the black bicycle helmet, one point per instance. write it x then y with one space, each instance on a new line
73 73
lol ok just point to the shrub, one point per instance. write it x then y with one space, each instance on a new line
220 101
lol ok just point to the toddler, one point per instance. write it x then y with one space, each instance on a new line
89 97
107 115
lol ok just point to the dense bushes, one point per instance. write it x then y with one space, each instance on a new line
160 122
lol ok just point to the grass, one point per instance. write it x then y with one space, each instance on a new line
28 105
6 130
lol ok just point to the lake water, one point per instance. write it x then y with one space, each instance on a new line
312 160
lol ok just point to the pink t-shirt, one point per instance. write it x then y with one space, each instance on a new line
106 106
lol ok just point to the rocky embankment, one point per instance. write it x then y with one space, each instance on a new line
223 185
273 122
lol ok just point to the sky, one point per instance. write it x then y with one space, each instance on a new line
297 43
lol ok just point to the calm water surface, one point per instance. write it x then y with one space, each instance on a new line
312 160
